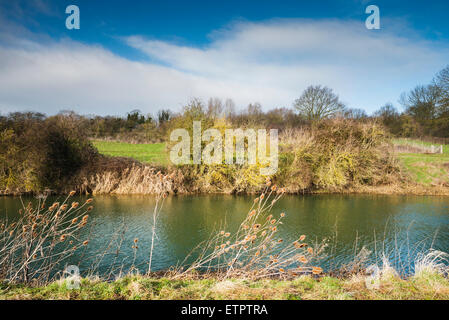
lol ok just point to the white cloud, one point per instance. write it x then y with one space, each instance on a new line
269 62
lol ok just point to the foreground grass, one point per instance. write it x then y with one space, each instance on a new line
147 153
426 286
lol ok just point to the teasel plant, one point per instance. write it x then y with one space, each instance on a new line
255 250
35 246
160 197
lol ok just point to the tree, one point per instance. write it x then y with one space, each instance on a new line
317 102
354 113
421 102
390 118
214 107
164 116
441 81
229 108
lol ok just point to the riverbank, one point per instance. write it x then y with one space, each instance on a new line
423 287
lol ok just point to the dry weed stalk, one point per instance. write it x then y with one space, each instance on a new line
254 250
161 195
42 239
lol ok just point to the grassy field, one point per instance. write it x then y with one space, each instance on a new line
147 153
425 287
425 168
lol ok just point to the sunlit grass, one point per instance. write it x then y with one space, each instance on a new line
148 153
426 287
425 168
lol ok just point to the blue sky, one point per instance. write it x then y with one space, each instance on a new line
159 54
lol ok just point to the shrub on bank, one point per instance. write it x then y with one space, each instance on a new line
41 153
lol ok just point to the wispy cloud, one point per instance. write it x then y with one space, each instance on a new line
270 62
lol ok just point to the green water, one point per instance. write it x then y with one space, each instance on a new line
401 225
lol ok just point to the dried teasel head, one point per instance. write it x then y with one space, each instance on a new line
317 270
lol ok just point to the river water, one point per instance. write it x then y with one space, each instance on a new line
398 226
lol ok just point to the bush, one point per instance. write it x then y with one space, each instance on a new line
41 153
335 154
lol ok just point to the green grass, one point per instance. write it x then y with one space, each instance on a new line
149 153
425 168
429 287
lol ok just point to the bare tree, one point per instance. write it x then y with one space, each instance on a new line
215 107
317 102
421 102
442 83
229 108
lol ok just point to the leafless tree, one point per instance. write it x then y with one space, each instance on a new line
317 102
442 83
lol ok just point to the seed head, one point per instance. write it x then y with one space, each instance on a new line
317 270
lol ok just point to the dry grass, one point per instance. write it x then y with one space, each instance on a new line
255 251
42 239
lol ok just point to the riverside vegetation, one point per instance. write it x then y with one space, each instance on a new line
251 262
325 147
338 155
